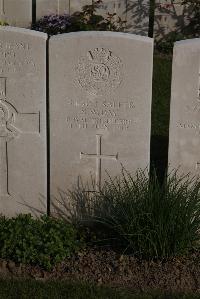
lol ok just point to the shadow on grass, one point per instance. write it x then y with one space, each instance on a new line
76 290
159 156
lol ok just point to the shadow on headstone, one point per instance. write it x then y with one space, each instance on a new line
30 209
138 16
170 17
75 205
88 204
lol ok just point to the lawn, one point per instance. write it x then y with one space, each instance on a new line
58 290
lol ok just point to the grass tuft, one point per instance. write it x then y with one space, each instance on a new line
142 216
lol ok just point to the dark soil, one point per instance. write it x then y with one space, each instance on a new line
106 267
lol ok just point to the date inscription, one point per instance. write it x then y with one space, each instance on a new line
101 114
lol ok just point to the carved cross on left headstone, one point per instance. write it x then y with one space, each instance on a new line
11 126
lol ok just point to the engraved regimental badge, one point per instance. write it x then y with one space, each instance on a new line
99 72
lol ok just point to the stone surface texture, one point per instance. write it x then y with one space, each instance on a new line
137 17
100 106
22 121
113 6
170 16
16 12
76 5
184 135
47 7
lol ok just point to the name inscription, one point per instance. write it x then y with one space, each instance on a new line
105 115
190 126
16 57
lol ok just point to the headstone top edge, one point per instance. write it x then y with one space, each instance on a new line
102 34
187 42
23 31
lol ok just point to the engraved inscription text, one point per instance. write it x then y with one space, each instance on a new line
101 114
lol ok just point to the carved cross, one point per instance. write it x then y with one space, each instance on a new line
12 125
98 157
2 7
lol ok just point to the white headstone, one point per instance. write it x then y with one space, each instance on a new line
22 121
109 7
134 12
48 7
76 5
16 12
184 134
100 105
113 6
138 16
169 16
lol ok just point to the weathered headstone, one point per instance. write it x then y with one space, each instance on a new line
16 12
22 121
137 16
47 7
113 6
184 134
76 5
169 16
100 106
134 12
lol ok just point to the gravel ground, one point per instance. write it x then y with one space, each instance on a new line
106 267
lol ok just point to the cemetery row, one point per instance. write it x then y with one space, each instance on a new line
99 111
168 16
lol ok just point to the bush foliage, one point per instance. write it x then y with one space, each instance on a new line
135 214
166 44
3 23
44 241
192 30
83 20
144 217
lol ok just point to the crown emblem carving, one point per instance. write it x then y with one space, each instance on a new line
99 55
99 72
